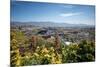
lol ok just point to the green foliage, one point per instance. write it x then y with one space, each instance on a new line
45 52
86 51
17 39
70 53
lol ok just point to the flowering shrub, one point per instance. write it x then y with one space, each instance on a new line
44 54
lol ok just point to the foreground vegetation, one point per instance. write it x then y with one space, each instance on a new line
36 50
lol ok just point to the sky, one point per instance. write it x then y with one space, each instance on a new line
22 11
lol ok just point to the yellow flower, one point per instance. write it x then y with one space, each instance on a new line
56 59
27 56
58 62
44 50
14 41
38 47
47 55
53 60
36 54
18 62
53 54
52 48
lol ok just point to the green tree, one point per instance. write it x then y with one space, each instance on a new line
86 51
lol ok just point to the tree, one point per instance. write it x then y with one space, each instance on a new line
86 51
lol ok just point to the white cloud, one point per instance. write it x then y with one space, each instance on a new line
70 14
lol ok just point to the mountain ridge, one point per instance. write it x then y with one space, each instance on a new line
50 24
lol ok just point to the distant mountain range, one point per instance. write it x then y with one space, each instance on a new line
50 24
